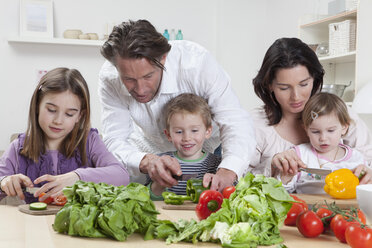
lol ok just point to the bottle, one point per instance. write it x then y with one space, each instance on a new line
172 35
179 35
166 34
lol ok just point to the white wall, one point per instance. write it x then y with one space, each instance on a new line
237 32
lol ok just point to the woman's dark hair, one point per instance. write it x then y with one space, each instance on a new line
135 40
285 53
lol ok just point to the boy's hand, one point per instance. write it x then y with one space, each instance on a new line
12 185
161 169
222 179
156 188
287 163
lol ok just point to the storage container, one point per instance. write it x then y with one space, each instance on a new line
342 37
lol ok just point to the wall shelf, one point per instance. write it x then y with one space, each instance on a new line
344 58
56 41
352 14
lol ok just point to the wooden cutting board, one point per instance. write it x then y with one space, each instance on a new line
319 199
51 209
187 205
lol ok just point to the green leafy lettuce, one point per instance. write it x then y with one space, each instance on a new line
101 210
251 216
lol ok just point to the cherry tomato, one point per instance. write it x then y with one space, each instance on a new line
228 191
60 200
309 224
292 214
48 200
339 225
322 213
209 202
358 237
296 209
302 202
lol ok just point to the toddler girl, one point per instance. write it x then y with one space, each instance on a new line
326 121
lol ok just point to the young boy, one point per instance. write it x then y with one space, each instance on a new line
188 122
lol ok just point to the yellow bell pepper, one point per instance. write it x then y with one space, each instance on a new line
341 184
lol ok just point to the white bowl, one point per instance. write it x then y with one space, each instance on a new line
364 197
72 33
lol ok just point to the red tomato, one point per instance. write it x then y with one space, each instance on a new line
309 224
228 191
358 237
292 214
324 212
209 202
303 203
48 200
60 200
339 225
296 209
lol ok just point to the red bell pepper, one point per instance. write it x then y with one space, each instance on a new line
209 202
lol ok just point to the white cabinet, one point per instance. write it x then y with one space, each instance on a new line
340 68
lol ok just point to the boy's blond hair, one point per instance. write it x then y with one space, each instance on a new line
324 104
188 103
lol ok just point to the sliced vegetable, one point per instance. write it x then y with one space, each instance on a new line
194 188
228 191
38 206
209 202
60 200
174 199
48 200
341 184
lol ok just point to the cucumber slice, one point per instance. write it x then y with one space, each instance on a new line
38 206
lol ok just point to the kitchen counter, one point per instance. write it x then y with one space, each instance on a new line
19 230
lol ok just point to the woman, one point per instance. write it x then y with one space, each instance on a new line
290 74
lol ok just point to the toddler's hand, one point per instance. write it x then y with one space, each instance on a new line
12 185
364 173
287 163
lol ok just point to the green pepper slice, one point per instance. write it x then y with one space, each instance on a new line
174 199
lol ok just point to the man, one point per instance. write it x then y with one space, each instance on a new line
142 73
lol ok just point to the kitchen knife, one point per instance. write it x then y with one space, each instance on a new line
184 177
320 172
31 190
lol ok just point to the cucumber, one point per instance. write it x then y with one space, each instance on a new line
38 206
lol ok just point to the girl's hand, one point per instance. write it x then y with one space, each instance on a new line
287 163
156 188
12 185
363 169
55 184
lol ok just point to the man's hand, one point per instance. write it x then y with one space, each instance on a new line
161 169
222 179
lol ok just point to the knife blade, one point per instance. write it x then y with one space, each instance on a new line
184 177
320 172
31 190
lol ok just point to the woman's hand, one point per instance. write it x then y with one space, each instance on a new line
55 184
12 185
364 173
287 163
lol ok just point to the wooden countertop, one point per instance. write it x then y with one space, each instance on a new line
19 230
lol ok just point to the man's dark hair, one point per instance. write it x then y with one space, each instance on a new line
135 40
